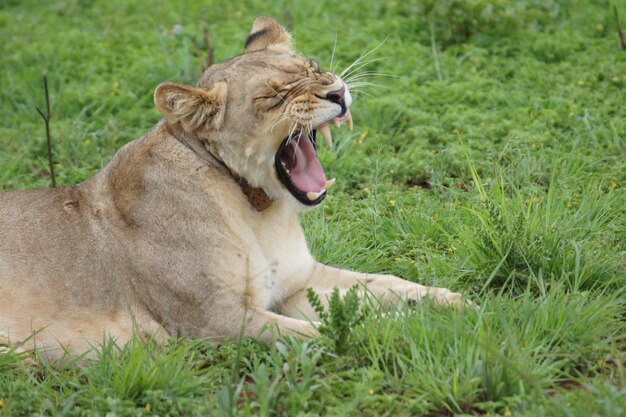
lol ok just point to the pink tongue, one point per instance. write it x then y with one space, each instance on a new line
307 174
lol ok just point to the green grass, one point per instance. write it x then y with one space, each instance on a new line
491 162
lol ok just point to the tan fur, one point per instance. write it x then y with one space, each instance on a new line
163 241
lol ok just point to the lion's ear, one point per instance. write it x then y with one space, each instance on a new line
194 108
267 33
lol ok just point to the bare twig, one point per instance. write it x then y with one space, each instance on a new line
207 43
620 32
46 118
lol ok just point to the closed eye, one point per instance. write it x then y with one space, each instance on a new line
315 66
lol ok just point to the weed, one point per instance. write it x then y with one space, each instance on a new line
343 315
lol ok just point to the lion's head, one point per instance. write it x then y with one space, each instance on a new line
260 113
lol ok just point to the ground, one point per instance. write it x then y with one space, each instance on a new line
488 157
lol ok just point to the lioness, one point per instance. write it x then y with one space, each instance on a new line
191 229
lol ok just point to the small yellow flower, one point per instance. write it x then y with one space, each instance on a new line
148 407
392 203
370 391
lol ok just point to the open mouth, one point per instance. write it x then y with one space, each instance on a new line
297 164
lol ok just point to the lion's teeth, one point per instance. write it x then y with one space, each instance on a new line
349 121
329 183
311 195
325 131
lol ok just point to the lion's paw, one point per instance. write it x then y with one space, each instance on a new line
439 296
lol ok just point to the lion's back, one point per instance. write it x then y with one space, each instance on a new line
43 233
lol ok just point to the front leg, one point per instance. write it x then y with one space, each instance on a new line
261 324
387 289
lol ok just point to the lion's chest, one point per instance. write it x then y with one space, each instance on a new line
287 263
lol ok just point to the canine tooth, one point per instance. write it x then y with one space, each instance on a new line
312 195
325 131
329 183
349 121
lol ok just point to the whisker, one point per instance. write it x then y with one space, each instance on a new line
360 66
365 84
277 93
360 58
332 56
298 142
374 73
369 74
292 130
360 92
284 117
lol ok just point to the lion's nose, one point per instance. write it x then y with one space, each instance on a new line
337 96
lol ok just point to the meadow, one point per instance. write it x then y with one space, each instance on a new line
488 156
